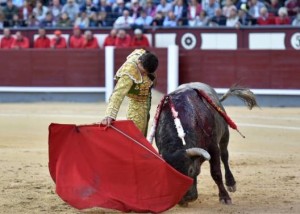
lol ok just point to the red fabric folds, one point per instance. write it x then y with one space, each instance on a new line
97 167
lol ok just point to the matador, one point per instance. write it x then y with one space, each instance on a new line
135 79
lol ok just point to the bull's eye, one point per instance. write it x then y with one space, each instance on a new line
191 171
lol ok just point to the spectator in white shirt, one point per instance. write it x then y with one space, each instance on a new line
144 20
40 11
170 20
71 8
164 7
124 21
233 19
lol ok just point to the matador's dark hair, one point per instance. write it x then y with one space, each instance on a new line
149 61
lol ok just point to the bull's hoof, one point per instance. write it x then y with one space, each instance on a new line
231 188
225 201
183 204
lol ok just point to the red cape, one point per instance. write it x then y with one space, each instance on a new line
97 167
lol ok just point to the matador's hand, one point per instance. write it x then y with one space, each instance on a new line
107 121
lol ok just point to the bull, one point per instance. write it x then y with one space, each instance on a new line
206 135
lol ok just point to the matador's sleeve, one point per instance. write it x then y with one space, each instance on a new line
120 91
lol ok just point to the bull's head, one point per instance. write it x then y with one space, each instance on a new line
188 163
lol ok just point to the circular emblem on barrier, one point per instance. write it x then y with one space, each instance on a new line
295 41
188 41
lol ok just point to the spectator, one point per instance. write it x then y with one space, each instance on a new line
72 9
194 10
25 11
58 42
210 7
139 40
164 7
226 10
123 39
144 20
265 18
82 20
110 40
219 19
76 40
170 20
40 11
293 6
9 11
32 21
282 18
89 7
48 21
135 9
245 18
296 21
124 21
1 19
255 7
273 7
180 11
64 21
90 42
202 19
158 19
42 41
17 23
112 3
93 20
104 7
233 19
18 3
55 9
150 8
118 10
20 42
102 19
7 39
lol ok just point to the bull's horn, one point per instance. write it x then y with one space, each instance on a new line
198 152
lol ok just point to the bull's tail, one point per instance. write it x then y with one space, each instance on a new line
242 93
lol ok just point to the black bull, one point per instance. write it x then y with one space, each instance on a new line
205 128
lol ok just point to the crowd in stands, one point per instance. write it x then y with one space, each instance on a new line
117 37
146 13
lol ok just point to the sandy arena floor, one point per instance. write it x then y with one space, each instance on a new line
266 164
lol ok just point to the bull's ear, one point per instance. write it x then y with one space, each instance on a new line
192 152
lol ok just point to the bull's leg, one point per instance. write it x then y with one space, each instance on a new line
230 181
216 174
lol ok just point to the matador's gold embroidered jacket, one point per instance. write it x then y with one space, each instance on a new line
137 87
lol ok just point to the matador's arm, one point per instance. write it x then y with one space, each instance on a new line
121 89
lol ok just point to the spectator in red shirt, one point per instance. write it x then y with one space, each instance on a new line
90 42
282 18
21 42
123 39
7 39
139 40
58 41
42 41
265 18
76 40
110 40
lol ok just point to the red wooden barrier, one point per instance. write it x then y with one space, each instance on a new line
77 68
85 68
256 69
